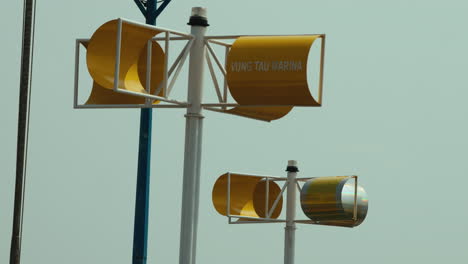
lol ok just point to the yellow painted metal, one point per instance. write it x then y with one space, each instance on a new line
269 70
100 57
247 196
261 113
331 201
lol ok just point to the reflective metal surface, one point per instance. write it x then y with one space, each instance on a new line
333 201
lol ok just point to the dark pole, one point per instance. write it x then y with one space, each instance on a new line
23 127
140 231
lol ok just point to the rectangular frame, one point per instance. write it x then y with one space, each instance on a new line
223 103
166 85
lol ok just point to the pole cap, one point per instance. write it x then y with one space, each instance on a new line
292 166
198 17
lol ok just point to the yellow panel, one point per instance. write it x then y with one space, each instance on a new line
248 194
261 113
101 56
102 96
270 70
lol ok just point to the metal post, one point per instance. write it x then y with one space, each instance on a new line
23 127
290 229
140 230
193 138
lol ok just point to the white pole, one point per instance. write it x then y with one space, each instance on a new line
193 137
290 229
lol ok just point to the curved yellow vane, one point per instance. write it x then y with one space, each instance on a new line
101 58
247 196
269 70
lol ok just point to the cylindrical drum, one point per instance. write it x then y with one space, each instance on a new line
333 201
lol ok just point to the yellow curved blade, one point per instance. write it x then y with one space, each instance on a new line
270 70
101 59
102 96
261 113
247 196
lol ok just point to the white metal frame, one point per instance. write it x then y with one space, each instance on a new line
167 84
222 92
238 218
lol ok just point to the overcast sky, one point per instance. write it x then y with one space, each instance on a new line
394 113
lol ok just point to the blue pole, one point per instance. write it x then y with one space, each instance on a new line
140 231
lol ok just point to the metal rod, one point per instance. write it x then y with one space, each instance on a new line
228 200
148 71
238 105
140 229
298 187
150 96
179 57
219 42
225 90
29 12
267 195
151 26
237 36
193 138
166 62
213 54
278 198
77 72
322 62
290 229
117 55
213 78
139 106
179 67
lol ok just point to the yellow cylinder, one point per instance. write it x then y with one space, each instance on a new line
101 59
247 196
333 201
269 70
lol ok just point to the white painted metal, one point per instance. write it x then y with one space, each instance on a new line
131 22
77 72
117 55
213 78
225 92
219 42
213 54
290 229
118 106
179 67
148 71
150 96
166 61
193 144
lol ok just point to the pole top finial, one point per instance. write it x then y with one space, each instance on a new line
199 11
198 17
292 166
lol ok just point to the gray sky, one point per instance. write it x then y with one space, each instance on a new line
394 113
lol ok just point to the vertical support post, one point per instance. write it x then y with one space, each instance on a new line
29 13
193 137
140 230
290 229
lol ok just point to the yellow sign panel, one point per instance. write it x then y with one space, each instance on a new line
269 70
246 196
101 59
